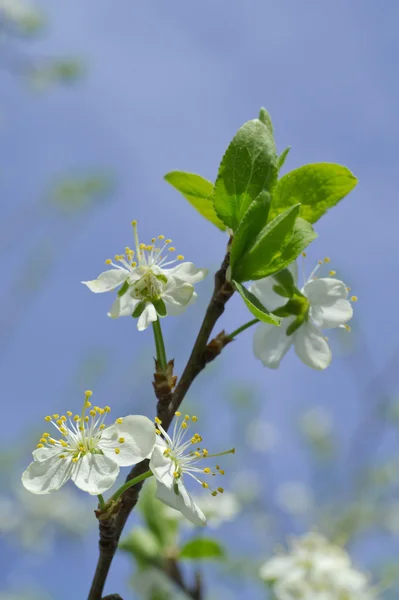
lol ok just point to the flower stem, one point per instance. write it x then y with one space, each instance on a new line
101 501
243 328
159 344
130 483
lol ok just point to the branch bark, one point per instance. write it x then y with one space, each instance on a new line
202 353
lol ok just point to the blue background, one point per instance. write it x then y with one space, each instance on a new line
167 85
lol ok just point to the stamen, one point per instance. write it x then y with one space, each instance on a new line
119 421
121 440
117 450
332 273
354 298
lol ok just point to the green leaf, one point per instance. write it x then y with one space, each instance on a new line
248 167
253 222
200 548
143 544
255 306
156 516
302 236
198 191
317 187
282 157
266 119
265 252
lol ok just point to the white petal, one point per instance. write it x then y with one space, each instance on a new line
187 272
328 317
263 290
181 502
162 466
177 296
107 281
45 476
123 306
41 454
311 347
95 473
139 435
148 316
325 290
271 343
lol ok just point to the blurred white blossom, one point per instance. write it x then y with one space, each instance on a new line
261 436
294 497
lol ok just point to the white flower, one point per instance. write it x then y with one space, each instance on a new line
148 288
315 568
322 305
172 458
88 452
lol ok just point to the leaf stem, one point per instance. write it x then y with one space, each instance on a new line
101 501
159 344
130 483
243 328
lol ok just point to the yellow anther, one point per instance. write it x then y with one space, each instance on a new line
61 456
55 416
198 454
81 448
153 240
81 428
184 425
88 404
107 409
187 417
178 413
172 249
134 264
64 444
220 490
48 418
51 441
194 419
304 254
161 237
142 246
117 450
86 419
134 223
205 485
93 412
205 452
221 471
214 494
63 430
108 261
42 440
119 421
63 418
326 338
158 432
119 257
158 421
332 273
76 418
176 474
101 411
88 393
39 446
149 247
327 259
168 241
347 327
348 289
59 421
121 440
207 470
354 298
320 262
102 426
46 435
180 257
75 459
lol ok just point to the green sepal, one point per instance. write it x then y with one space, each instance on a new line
296 324
123 289
285 281
317 186
139 309
281 291
198 191
201 548
255 306
253 222
263 257
298 305
282 157
160 307
248 167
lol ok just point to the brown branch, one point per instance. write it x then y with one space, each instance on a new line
168 404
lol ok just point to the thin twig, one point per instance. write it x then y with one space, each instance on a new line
201 355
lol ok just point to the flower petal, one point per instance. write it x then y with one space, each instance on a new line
107 281
162 466
271 343
263 290
187 272
177 296
311 347
41 454
45 476
138 433
149 315
181 501
328 317
123 306
324 291
94 473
